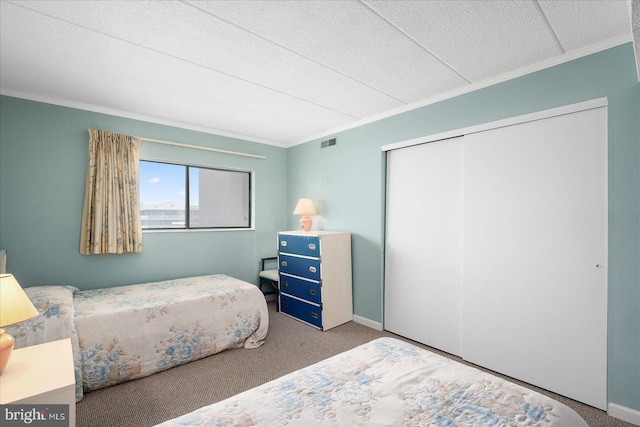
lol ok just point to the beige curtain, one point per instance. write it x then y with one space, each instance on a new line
111 214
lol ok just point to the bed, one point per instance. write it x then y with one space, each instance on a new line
386 382
123 333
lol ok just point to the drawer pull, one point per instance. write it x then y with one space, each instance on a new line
314 315
312 269
285 304
283 243
312 246
313 292
285 284
284 263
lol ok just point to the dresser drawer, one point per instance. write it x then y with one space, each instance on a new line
302 310
300 245
303 267
304 289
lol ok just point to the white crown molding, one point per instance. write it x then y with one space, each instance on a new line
561 59
134 116
569 56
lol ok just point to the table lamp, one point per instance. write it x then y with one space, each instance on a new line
305 208
15 307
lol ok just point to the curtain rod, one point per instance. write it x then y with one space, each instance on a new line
199 147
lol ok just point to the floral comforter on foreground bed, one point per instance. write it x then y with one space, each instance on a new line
386 382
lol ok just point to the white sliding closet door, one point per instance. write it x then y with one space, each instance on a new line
423 259
535 253
496 248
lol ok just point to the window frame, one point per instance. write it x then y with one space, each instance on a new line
186 228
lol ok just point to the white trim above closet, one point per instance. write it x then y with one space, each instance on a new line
538 115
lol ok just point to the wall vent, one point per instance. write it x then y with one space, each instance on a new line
328 143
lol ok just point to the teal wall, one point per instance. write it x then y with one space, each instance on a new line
43 154
347 182
43 158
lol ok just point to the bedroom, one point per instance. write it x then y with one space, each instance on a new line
43 163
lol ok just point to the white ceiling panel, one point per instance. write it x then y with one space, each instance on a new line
570 21
282 72
125 66
477 38
186 107
181 31
346 36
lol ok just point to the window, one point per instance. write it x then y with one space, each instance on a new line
217 198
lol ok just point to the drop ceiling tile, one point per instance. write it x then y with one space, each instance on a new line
347 37
168 106
279 70
480 39
581 23
186 33
67 59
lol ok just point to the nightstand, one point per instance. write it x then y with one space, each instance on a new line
41 374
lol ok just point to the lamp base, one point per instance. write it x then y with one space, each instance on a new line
305 223
6 347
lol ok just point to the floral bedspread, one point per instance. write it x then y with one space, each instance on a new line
386 382
133 331
128 332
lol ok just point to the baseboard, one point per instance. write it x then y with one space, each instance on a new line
623 413
367 322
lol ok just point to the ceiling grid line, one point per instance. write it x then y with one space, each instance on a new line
284 72
417 43
549 26
168 55
293 51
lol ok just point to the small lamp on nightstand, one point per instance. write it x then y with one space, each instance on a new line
305 208
15 307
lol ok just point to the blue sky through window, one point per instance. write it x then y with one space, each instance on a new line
161 183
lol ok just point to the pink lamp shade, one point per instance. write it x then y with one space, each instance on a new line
305 208
15 307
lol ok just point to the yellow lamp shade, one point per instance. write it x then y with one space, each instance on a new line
305 208
15 307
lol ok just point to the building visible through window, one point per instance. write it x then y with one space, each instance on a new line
217 198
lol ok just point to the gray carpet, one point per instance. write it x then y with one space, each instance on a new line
290 345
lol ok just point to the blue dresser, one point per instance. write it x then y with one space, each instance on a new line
315 277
